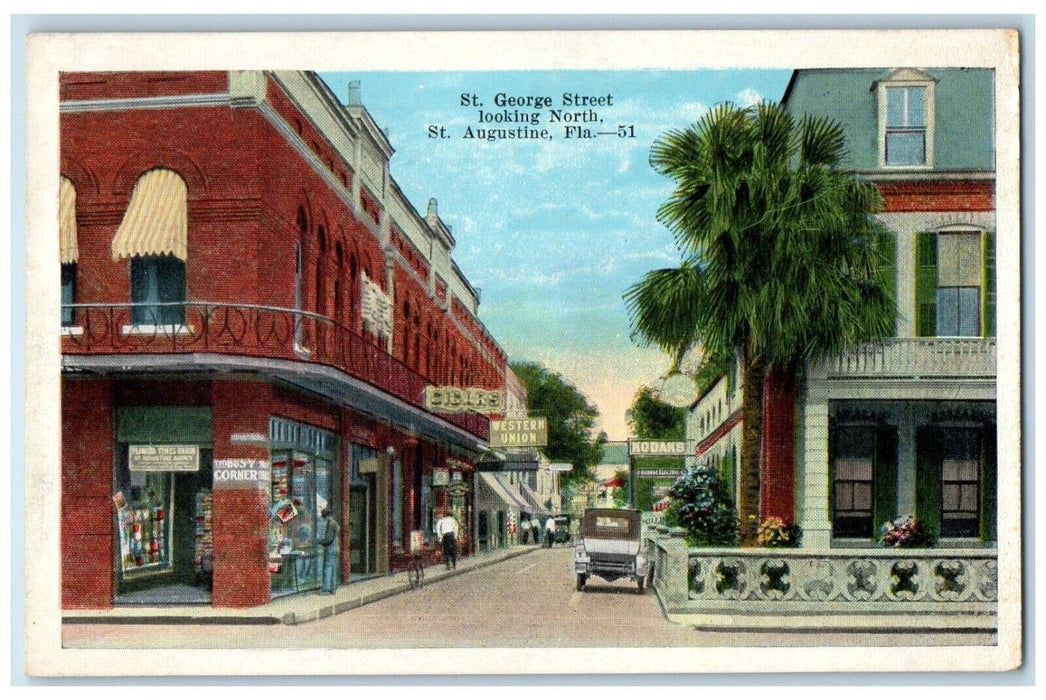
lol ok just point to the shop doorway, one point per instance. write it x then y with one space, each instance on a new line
362 518
163 533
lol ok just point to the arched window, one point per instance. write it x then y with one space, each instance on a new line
154 235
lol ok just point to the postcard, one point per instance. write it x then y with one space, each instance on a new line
489 352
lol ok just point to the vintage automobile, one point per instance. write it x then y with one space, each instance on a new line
610 547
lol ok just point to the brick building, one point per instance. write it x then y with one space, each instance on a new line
906 426
251 312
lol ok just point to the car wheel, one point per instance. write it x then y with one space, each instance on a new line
581 578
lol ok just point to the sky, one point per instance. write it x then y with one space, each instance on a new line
552 230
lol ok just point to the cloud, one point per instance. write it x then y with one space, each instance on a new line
748 97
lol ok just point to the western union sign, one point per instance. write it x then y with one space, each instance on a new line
526 432
658 448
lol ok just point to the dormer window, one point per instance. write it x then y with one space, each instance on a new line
906 110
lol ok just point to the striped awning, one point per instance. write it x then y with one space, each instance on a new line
67 221
156 221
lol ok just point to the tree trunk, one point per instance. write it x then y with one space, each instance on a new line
754 374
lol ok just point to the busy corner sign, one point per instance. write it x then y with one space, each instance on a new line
658 448
452 399
524 432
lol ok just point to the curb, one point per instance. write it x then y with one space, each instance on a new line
290 617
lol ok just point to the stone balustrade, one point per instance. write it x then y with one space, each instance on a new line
914 358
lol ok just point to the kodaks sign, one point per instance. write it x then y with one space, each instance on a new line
658 448
526 432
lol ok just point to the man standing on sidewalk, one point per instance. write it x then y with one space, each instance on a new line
327 537
447 532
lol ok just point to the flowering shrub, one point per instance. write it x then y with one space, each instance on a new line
904 532
775 532
701 505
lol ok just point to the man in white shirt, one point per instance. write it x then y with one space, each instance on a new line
550 532
447 532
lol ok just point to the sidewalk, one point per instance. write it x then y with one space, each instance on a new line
292 609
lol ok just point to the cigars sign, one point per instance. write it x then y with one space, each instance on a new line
452 399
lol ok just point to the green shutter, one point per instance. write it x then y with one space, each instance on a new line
988 483
926 285
928 478
888 265
885 498
988 284
833 444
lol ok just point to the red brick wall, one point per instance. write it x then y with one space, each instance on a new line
240 516
938 195
246 184
777 475
87 481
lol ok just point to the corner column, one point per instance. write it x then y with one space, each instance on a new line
242 478
817 531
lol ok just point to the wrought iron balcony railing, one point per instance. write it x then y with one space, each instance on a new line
246 330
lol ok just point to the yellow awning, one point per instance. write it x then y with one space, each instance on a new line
67 221
156 221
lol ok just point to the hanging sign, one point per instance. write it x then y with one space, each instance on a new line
658 473
658 448
440 477
369 465
164 458
560 467
458 489
452 399
527 432
376 309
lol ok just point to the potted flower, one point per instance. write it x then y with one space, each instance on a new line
776 532
905 533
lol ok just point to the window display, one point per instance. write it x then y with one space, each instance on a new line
143 523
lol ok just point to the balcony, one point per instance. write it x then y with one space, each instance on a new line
913 358
249 331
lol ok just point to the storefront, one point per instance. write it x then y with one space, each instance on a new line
303 483
162 480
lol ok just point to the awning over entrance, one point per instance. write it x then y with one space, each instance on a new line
157 220
513 461
67 221
495 495
533 501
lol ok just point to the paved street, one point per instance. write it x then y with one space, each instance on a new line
527 601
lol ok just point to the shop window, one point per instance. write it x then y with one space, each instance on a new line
68 292
960 484
157 290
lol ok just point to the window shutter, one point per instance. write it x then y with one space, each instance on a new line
928 478
988 284
926 285
888 266
885 503
833 446
988 483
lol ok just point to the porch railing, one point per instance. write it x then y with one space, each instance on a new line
915 358
247 330
853 584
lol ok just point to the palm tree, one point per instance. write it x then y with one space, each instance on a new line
781 257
